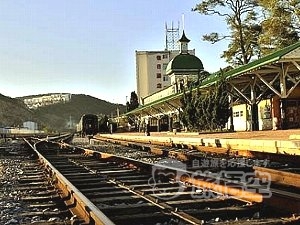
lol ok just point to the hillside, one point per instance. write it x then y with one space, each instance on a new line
58 117
13 112
65 115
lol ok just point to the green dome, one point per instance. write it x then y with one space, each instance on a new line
184 63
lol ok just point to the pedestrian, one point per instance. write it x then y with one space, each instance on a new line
147 130
110 128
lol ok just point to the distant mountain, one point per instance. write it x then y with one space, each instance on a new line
57 117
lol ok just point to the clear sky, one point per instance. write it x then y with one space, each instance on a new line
88 46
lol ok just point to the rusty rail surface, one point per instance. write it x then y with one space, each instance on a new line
78 204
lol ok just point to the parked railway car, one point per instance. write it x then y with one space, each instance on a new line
88 125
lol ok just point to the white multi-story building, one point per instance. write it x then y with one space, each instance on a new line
49 99
151 70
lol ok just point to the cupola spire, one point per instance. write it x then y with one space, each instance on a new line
184 44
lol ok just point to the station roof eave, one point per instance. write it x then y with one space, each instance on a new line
263 65
162 106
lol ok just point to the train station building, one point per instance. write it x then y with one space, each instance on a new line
151 67
264 94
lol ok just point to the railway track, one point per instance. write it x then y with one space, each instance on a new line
110 189
26 193
66 184
283 176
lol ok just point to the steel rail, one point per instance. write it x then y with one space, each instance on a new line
166 208
286 199
231 188
199 181
276 197
280 176
78 204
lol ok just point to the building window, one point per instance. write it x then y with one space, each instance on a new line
158 85
236 114
166 78
158 66
158 75
165 56
165 66
158 57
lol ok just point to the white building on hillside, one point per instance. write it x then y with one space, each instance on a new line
49 99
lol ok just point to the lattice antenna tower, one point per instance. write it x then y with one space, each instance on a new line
172 37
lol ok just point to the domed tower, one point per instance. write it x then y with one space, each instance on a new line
184 67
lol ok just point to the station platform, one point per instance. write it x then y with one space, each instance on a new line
286 142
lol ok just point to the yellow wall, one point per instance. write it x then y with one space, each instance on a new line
241 119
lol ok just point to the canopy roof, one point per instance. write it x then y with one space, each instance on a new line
266 64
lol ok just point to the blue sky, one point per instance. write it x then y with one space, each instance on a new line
88 46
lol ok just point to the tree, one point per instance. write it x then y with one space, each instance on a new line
295 7
205 111
256 27
241 17
103 123
189 114
221 109
133 102
279 25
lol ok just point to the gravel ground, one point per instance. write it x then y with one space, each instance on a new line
12 167
128 152
10 203
118 150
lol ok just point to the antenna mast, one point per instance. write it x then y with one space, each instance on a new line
182 21
172 37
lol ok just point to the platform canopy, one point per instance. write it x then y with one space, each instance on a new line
274 74
278 73
159 107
